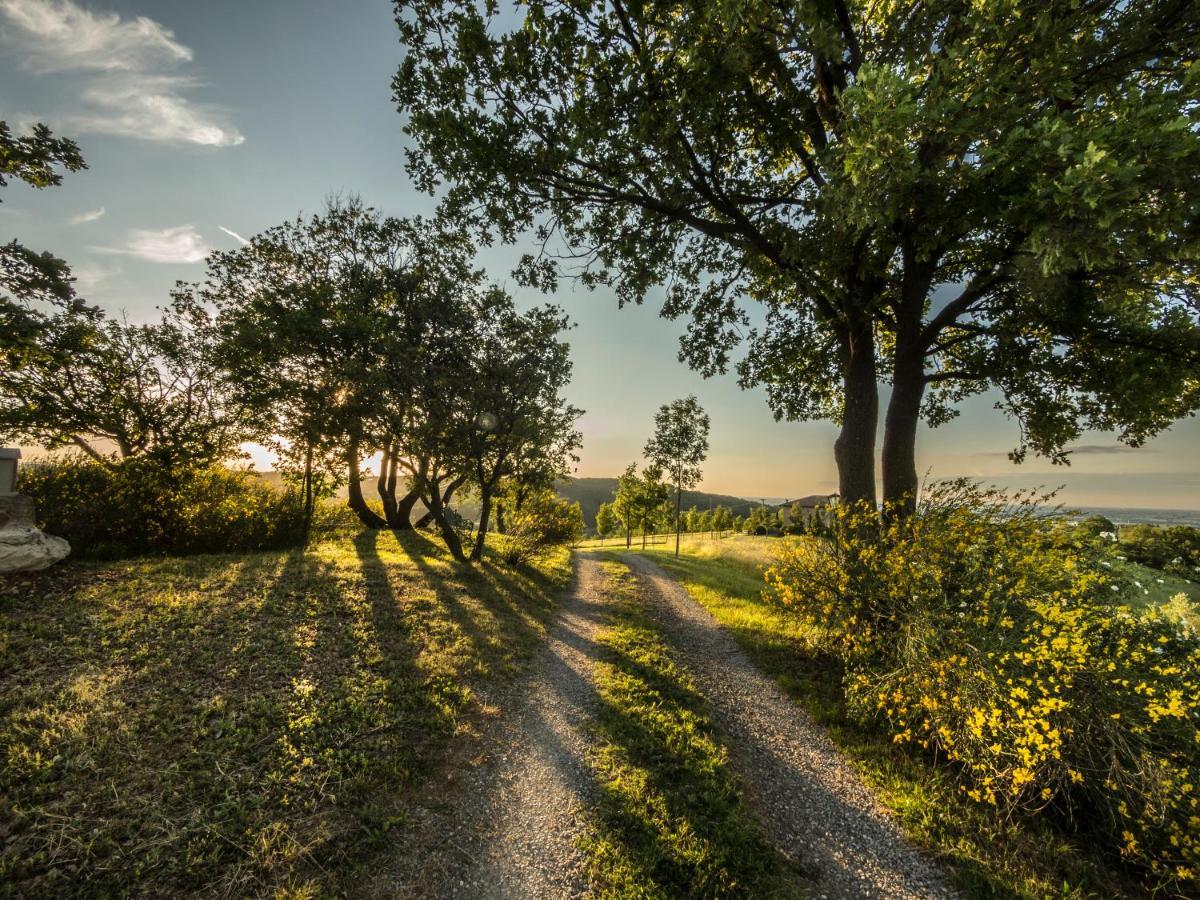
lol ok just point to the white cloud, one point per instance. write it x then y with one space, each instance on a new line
60 36
181 244
84 217
233 234
124 65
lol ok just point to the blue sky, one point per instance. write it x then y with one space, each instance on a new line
201 119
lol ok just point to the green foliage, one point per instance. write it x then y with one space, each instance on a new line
841 162
1094 527
147 390
606 520
1172 548
671 821
987 852
543 525
983 631
38 159
136 508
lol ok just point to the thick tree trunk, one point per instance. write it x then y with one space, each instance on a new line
854 449
386 486
899 461
356 500
404 508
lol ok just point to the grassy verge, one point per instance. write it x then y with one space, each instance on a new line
241 724
985 854
670 822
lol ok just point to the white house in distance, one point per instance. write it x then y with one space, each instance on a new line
811 507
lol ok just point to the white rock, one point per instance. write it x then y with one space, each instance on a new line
25 549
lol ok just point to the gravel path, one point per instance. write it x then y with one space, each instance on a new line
509 828
812 803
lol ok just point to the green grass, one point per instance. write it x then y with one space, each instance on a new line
242 724
670 822
1152 587
985 854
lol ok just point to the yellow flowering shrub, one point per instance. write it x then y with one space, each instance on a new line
991 637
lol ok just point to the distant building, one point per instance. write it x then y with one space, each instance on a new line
810 508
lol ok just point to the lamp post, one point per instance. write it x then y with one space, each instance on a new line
8 469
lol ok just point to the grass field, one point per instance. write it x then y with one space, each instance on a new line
242 724
987 855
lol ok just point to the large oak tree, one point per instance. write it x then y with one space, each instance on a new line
838 161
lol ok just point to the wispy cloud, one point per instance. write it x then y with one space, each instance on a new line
233 234
181 244
1085 449
89 277
84 217
128 87
1081 450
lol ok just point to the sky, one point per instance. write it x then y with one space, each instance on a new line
203 123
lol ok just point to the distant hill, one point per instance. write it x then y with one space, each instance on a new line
591 492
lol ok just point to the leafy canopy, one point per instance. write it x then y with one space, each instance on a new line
839 161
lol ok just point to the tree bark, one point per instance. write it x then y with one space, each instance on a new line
438 511
854 449
356 501
386 486
899 461
485 509
404 508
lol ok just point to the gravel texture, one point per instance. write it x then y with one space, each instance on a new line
510 826
813 805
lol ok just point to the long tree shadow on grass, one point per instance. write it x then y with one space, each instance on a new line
671 820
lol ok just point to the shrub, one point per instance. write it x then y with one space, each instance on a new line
136 507
1096 526
543 523
982 632
1173 548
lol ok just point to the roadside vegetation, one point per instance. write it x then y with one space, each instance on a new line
671 822
244 724
990 850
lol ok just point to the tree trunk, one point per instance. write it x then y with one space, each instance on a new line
438 511
678 496
628 537
386 485
854 449
501 527
404 508
446 495
899 461
485 509
356 501
307 489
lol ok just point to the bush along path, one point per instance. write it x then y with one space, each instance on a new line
813 806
